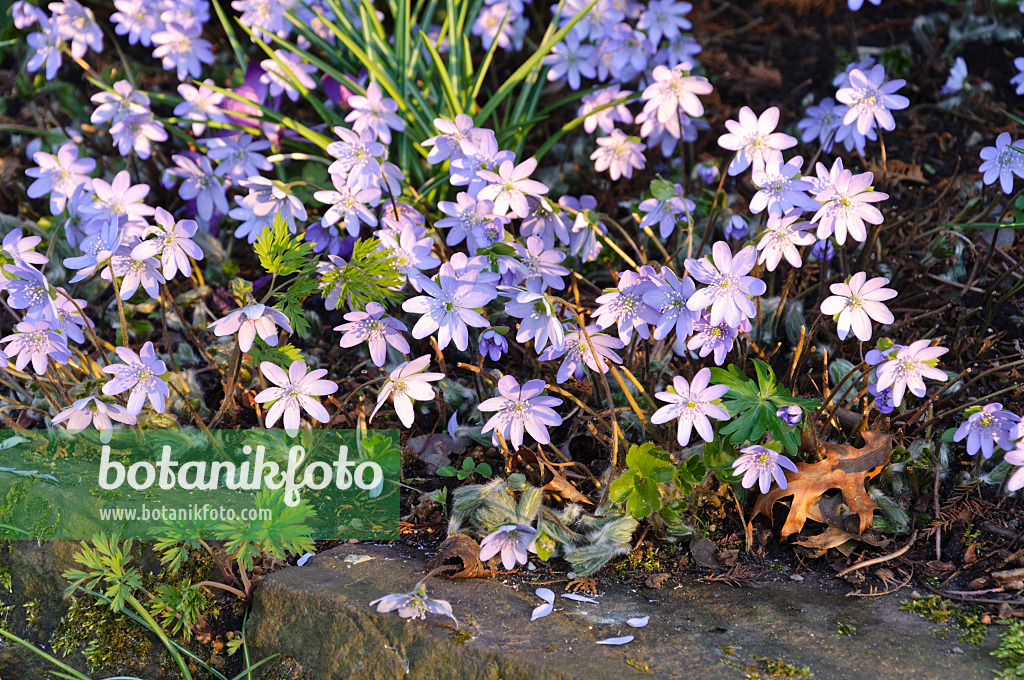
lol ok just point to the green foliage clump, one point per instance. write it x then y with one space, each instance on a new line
752 406
371 275
646 485
1011 652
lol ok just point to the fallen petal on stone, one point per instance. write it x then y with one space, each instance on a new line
302 560
579 598
638 622
546 595
541 611
616 640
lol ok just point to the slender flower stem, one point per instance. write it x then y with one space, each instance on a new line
234 367
188 329
195 417
120 306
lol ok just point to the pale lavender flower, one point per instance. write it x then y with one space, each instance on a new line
200 106
374 112
182 49
268 197
134 273
173 244
97 250
264 17
540 320
577 353
855 5
728 286
780 188
28 289
478 155
35 342
186 13
1002 162
408 383
238 156
571 60
294 393
92 411
664 19
509 187
991 426
465 216
123 101
120 199
24 14
512 541
69 320
625 308
138 19
286 73
823 250
846 206
449 307
375 329
692 403
736 228
957 77
629 51
21 249
412 254
414 605
447 144
871 99
536 262
46 44
500 22
857 301
199 183
619 155
668 297
754 139
781 237
136 132
605 119
761 464
492 344
908 369
791 415
521 409
883 399
707 339
141 373
349 205
668 213
77 25
1018 82
821 123
357 155
249 321
706 171
59 175
673 91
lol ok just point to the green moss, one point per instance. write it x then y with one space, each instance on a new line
846 628
965 622
763 668
108 641
1011 652
777 668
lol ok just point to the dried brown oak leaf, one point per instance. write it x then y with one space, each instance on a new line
460 550
843 467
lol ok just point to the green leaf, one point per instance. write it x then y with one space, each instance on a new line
281 252
446 471
622 487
